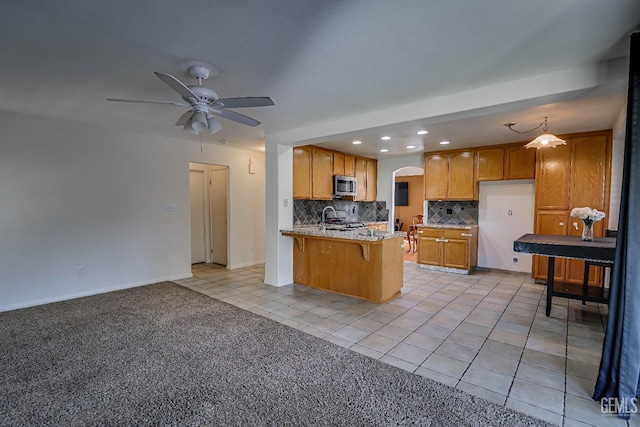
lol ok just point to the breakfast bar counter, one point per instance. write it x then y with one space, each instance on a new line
367 264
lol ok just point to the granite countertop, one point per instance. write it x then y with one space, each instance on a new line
454 226
355 234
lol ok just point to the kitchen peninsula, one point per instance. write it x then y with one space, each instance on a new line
353 262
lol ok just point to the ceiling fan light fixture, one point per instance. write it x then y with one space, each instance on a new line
188 126
199 121
213 125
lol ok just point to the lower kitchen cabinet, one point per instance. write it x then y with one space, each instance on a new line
448 248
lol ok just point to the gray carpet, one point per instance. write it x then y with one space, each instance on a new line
165 355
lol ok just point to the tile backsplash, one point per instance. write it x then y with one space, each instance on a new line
310 211
453 212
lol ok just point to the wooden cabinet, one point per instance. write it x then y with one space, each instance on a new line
349 165
343 164
322 174
570 176
312 173
448 247
436 176
361 178
302 172
519 162
366 172
450 176
552 178
490 164
371 190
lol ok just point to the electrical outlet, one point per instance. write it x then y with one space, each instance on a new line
80 271
170 207
286 202
516 260
510 212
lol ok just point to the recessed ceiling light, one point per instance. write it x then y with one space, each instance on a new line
444 142
411 146
357 142
422 132
384 150
385 138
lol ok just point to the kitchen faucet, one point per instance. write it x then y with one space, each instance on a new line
324 226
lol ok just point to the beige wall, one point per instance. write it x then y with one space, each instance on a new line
416 199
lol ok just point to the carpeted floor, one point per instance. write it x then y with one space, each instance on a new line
166 355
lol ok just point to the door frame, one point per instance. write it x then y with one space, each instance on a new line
207 168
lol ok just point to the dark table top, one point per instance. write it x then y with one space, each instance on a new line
601 249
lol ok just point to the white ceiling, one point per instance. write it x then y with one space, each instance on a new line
320 61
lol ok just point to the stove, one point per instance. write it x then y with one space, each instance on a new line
338 221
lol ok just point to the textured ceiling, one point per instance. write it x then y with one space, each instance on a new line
318 60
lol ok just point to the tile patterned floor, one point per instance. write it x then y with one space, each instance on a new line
485 333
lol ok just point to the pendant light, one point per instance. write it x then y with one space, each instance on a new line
543 141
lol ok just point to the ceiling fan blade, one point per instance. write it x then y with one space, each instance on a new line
247 101
176 85
236 117
138 101
183 118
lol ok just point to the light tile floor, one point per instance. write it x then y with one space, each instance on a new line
485 333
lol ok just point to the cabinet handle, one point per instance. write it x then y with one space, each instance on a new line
466 234
561 223
442 240
420 232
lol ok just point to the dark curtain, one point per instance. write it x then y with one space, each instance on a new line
620 364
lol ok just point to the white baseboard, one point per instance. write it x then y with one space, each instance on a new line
93 292
246 264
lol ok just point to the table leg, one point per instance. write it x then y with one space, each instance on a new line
585 283
550 274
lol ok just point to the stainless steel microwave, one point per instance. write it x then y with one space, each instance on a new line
344 186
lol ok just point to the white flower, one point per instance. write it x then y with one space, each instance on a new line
587 214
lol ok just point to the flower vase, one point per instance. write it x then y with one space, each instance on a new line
587 230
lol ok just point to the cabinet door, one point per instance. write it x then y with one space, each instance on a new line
338 164
361 179
349 165
520 162
552 177
436 176
550 222
589 164
371 192
455 253
461 183
302 173
429 251
490 164
322 174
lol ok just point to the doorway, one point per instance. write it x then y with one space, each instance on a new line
209 203
407 201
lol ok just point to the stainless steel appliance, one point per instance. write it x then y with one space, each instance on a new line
344 186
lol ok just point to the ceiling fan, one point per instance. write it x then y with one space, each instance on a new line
204 103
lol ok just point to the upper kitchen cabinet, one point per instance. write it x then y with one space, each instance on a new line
343 164
322 174
512 161
519 162
302 172
450 176
576 174
371 191
312 173
552 177
490 164
366 172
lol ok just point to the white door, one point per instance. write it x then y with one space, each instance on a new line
505 212
218 188
197 203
